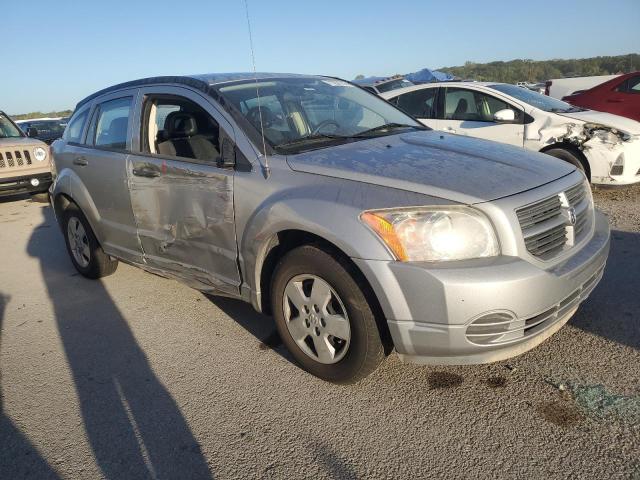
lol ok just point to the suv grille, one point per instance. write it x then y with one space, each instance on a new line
14 158
554 224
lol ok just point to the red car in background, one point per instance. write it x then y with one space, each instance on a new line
620 96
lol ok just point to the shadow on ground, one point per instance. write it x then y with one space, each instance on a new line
258 325
133 424
613 309
18 457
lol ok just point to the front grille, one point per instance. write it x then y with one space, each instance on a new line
547 225
502 327
14 158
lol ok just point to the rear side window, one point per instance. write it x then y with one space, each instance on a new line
110 124
419 104
75 127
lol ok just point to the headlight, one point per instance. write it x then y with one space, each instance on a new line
434 234
39 154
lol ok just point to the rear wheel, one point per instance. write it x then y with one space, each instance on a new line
323 317
569 156
83 247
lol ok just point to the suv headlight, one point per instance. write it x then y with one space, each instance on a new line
434 234
39 154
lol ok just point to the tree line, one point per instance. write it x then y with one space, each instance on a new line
524 70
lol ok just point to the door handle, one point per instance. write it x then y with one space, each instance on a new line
614 100
81 161
146 172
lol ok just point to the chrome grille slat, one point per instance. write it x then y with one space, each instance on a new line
575 194
544 223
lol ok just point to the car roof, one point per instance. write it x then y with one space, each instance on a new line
204 82
399 91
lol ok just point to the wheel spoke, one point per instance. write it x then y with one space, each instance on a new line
297 329
85 252
338 326
325 351
295 294
320 294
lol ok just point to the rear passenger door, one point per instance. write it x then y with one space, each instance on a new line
98 158
420 104
470 112
181 193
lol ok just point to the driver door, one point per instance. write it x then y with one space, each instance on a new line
470 112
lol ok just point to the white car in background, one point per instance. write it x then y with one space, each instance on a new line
605 147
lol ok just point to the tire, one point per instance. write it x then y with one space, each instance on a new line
571 157
92 262
354 357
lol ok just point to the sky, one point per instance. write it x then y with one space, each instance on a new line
54 53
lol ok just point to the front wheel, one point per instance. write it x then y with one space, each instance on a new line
569 156
83 247
323 316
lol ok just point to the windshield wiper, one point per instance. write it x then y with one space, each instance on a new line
387 126
307 138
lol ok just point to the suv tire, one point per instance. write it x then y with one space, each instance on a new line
298 312
83 247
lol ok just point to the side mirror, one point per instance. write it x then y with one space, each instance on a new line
32 132
504 116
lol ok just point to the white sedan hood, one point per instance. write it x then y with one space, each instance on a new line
622 124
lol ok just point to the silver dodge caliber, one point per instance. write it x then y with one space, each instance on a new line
358 229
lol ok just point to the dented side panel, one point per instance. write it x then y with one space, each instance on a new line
185 221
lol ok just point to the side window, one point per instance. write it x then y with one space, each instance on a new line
110 124
460 104
177 127
419 103
631 85
74 129
470 105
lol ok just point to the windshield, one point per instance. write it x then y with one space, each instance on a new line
8 129
543 102
300 114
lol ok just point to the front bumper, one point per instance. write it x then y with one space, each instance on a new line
483 310
23 184
601 160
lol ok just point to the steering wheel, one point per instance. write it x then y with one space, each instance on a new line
323 124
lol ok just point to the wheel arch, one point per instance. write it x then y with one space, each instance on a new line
574 150
283 242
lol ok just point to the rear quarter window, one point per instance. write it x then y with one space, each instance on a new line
73 132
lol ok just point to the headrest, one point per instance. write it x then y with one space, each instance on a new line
118 127
180 124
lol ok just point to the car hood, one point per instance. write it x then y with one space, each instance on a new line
622 124
457 168
20 142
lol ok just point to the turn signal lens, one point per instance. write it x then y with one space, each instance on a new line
385 231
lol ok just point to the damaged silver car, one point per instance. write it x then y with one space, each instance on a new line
357 228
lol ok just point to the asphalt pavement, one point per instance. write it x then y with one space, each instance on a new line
136 376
